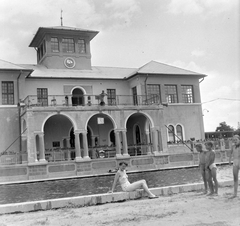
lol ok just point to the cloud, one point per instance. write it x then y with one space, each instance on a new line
10 48
185 7
206 7
198 53
236 86
191 66
122 12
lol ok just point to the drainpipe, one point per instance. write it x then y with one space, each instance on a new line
19 116
201 118
145 82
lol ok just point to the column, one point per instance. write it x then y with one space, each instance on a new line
41 147
118 144
68 148
149 152
24 149
155 140
125 145
31 148
160 140
77 146
85 145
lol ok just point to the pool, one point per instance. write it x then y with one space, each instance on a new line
42 190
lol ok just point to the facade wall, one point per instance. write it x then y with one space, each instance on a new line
65 86
189 116
9 125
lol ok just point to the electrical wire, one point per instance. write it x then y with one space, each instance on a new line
220 99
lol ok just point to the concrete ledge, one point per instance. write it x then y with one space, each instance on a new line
81 201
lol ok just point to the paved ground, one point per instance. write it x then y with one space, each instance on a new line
184 209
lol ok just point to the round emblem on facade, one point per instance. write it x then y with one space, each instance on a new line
69 62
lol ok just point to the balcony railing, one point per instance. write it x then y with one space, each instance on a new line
90 100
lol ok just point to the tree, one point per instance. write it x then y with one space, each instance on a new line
224 127
237 131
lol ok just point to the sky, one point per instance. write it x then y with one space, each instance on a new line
198 35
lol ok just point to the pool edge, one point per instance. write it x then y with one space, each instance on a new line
90 200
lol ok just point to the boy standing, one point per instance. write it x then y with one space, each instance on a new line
235 152
202 163
211 169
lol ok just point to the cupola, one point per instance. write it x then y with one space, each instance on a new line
63 47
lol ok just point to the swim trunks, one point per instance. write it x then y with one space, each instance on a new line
213 165
236 163
125 186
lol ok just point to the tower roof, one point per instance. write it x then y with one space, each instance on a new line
60 30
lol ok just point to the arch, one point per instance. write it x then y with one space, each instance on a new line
182 135
170 133
104 113
78 96
56 128
78 87
53 114
101 124
143 113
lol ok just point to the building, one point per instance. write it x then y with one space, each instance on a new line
64 109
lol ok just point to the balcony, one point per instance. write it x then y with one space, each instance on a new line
90 101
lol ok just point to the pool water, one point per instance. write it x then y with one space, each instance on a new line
23 192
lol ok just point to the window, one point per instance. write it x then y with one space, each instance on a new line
187 94
135 97
7 93
153 94
81 46
171 93
54 45
42 96
41 50
68 45
171 136
111 96
179 133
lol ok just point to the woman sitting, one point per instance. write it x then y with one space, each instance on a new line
121 175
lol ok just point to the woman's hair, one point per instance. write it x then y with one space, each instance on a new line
123 163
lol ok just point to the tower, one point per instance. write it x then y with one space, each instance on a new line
63 47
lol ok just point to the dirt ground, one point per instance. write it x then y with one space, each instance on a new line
188 209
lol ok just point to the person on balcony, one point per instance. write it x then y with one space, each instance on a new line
101 98
122 177
235 152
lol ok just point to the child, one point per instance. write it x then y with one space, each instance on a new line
211 169
202 165
235 152
126 185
